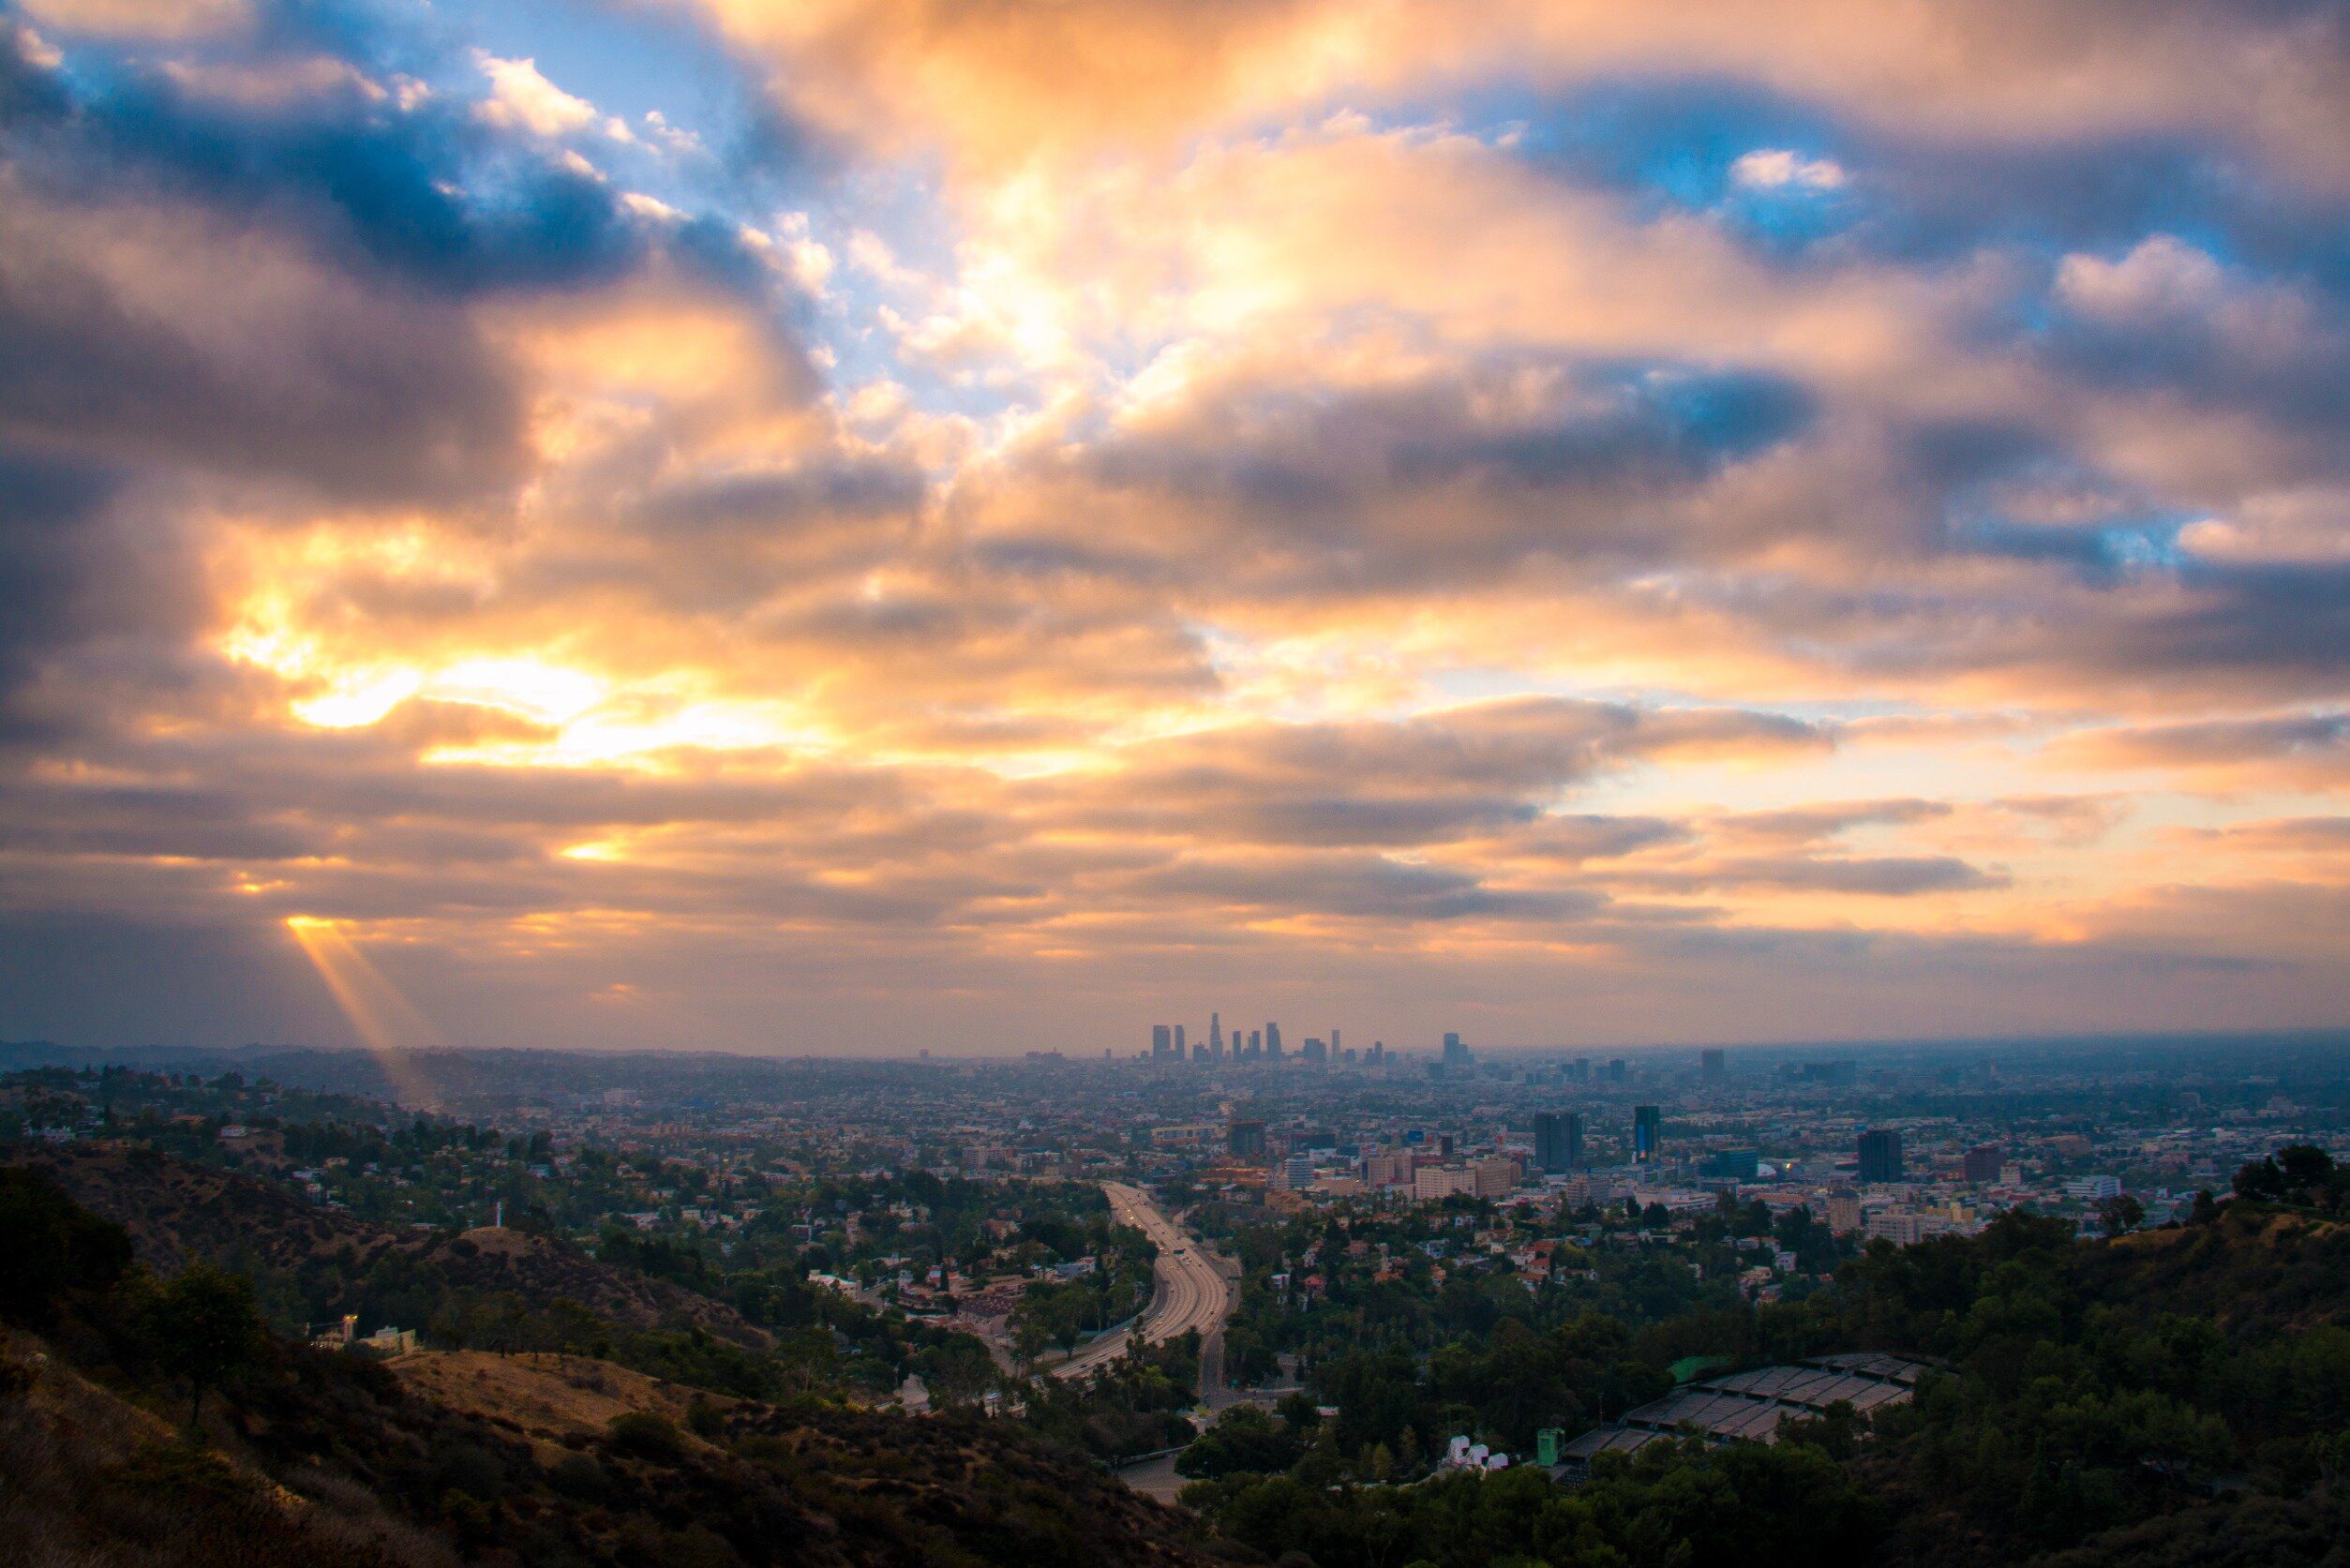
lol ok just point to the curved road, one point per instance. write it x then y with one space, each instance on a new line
1188 1291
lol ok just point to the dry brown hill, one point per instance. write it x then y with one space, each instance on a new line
89 1479
554 1403
175 1211
2254 1265
330 1459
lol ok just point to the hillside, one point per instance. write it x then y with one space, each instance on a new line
177 1211
339 1459
2253 1267
89 1477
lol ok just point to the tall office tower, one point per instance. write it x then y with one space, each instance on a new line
1272 1042
1455 1053
1880 1156
1615 1069
1246 1140
1712 1069
1378 1052
1983 1161
1334 1045
1316 1053
1578 1071
1162 1041
1181 1051
1215 1037
1256 1044
1199 1052
1559 1140
1648 1133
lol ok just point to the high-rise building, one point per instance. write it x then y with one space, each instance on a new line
1316 1053
1272 1042
1215 1037
1494 1177
1181 1051
1432 1181
1579 1070
1742 1165
1246 1139
1162 1041
1880 1156
1648 1132
1455 1053
1983 1161
1256 1044
1713 1068
1615 1069
1559 1140
1378 1054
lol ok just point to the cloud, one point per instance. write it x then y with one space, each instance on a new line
164 19
1064 512
520 99
1776 169
998 86
2303 750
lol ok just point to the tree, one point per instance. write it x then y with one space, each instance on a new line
2260 1180
203 1326
2119 1214
1244 1440
2304 1165
1029 1339
53 1247
958 1371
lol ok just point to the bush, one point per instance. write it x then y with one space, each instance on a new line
645 1437
579 1477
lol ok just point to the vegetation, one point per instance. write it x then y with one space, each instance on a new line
386 1473
2100 1399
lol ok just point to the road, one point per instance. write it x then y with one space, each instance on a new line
1188 1291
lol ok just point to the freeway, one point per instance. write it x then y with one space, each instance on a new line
1188 1291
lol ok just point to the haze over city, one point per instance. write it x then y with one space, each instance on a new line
853 528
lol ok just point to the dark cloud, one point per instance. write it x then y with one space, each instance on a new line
1353 886
1446 478
1877 875
153 336
2291 745
1815 824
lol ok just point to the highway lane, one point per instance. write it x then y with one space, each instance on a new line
1188 1291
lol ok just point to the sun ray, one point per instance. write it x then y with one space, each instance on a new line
386 1022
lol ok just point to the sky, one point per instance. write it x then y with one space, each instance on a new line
983 525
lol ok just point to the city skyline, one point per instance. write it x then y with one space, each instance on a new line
865 528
